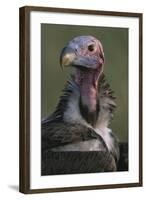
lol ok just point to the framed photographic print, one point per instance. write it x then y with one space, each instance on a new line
80 99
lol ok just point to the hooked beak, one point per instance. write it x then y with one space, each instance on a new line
67 57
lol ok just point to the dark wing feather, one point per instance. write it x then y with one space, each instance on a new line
77 162
56 134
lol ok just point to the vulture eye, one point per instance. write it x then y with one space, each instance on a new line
91 47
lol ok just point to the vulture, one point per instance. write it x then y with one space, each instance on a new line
80 122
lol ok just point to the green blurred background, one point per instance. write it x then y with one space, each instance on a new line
115 43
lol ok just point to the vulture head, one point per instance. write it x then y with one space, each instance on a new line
85 54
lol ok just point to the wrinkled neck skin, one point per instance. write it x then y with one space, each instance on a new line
87 81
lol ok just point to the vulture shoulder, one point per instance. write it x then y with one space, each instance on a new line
63 136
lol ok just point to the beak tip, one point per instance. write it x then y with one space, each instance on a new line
67 56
